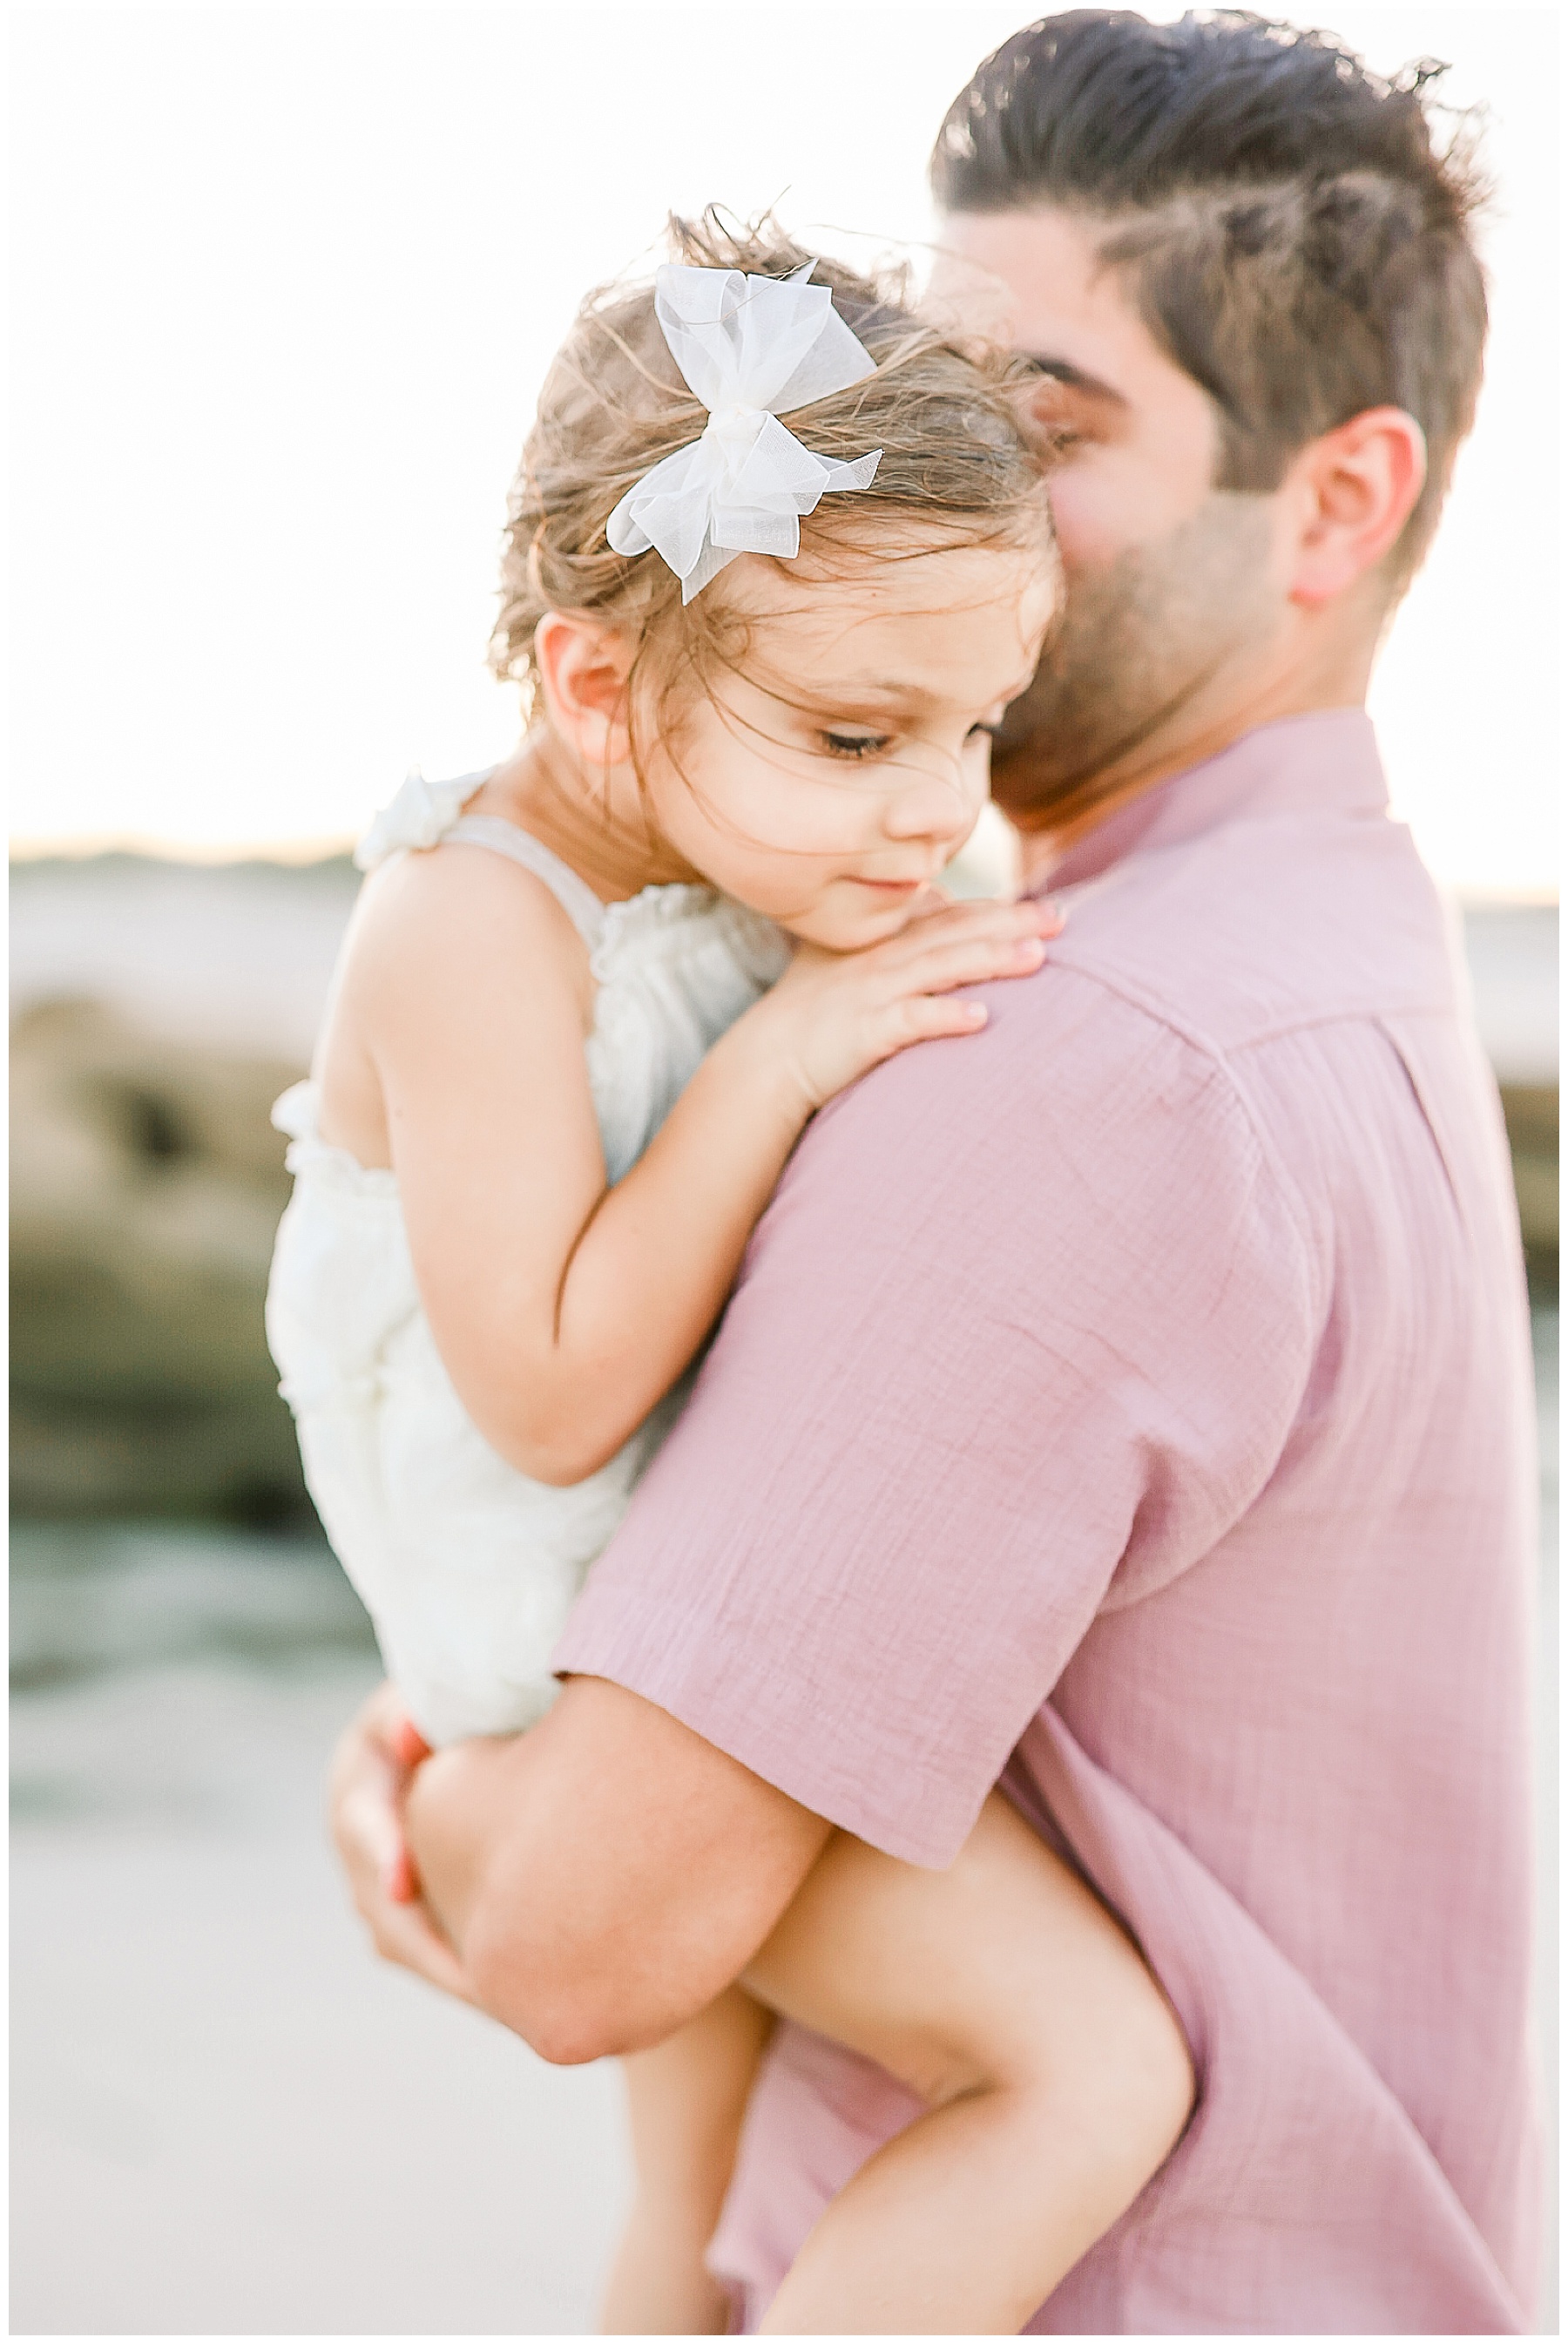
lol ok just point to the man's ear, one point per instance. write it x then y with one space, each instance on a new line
1351 494
584 668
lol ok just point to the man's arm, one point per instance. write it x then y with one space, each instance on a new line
602 1877
975 1363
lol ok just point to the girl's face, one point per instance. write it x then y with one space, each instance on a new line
829 784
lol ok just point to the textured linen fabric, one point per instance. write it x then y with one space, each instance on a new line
469 1568
1132 1403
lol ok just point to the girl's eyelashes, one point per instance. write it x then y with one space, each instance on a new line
856 744
859 746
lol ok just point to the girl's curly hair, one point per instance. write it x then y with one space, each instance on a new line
956 467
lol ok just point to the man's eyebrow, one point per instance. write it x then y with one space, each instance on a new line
1071 377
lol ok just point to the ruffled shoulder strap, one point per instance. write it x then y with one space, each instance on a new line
420 814
294 1113
575 896
430 813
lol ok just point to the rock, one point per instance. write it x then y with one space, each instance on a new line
146 1184
1530 1111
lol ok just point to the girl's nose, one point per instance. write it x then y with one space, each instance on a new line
938 805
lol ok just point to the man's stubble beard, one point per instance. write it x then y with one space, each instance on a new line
1139 642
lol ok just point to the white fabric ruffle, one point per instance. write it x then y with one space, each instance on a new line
420 814
467 1568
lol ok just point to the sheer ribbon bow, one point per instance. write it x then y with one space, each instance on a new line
751 349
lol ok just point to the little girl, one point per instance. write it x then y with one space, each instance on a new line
561 1072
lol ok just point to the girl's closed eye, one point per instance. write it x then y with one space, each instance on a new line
862 745
856 744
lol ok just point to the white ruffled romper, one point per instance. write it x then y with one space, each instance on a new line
466 1567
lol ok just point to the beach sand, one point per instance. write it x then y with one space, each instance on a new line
227 2118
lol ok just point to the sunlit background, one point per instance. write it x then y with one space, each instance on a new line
289 278
286 281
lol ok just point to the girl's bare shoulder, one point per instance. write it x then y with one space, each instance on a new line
461 973
458 916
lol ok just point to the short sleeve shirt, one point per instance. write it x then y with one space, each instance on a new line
1131 1402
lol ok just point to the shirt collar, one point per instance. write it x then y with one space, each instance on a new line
1326 760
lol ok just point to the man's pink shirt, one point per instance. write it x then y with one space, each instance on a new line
1134 1402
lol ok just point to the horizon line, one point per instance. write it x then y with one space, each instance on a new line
298 854
86 846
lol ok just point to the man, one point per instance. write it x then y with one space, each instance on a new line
1133 1404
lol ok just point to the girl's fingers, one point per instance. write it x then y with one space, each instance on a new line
399 1878
940 970
1036 915
405 1934
406 1744
370 1772
879 1001
1029 918
969 923
923 1017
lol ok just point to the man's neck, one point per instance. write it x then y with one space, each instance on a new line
1336 674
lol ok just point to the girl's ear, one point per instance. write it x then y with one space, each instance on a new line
584 670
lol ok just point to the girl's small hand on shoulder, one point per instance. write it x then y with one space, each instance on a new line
835 1015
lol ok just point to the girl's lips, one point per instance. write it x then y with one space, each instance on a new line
893 887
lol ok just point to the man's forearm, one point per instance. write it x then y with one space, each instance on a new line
606 1875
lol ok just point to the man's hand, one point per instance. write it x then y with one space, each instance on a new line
372 1768
601 1876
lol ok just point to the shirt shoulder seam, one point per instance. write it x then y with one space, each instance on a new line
1221 1062
1299 1022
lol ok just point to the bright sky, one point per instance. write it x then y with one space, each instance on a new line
288 277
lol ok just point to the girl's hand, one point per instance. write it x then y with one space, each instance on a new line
373 1766
834 1016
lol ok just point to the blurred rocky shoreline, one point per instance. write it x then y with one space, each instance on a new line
158 1009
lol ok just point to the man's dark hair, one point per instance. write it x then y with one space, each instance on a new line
1300 242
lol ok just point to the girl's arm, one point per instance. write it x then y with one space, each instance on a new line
565 1310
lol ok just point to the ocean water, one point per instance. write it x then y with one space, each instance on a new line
227 2118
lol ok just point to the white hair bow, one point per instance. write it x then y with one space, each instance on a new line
750 348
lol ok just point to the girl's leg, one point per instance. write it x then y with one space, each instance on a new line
1056 2078
686 2099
